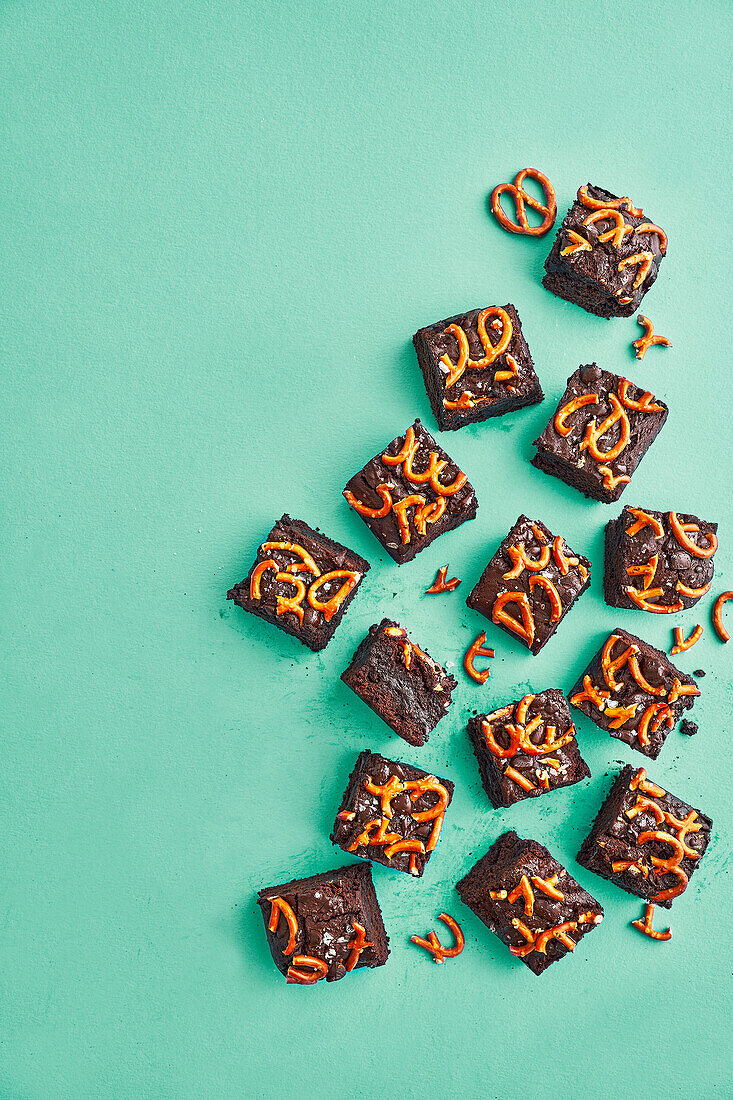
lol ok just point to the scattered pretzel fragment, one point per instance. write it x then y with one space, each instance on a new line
600 204
491 351
522 198
477 649
440 584
433 945
681 643
356 946
645 925
680 532
526 628
718 615
649 339
280 906
578 243
297 976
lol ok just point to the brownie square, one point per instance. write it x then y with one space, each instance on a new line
529 901
410 493
606 254
476 365
301 582
400 681
527 748
531 583
645 840
634 691
392 813
601 430
661 562
324 926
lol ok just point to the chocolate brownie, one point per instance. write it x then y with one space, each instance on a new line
634 691
324 926
603 427
606 254
529 901
391 813
400 681
661 562
301 582
410 493
646 840
468 375
527 748
531 583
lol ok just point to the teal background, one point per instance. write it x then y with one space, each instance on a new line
221 224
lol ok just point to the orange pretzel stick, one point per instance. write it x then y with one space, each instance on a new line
291 603
647 805
655 714
620 715
381 836
254 580
525 629
610 666
578 243
406 451
522 198
600 204
440 584
590 692
679 530
519 779
635 670
572 406
491 351
523 889
678 689
643 519
557 933
477 649
620 229
678 850
681 643
693 593
386 793
548 886
718 615
280 906
331 606
644 261
526 948
419 787
508 374
683 828
639 782
467 400
491 743
643 600
649 339
673 891
448 490
428 513
647 570
610 480
521 560
297 976
365 510
562 560
306 563
356 946
433 945
649 227
645 925
593 434
400 510
552 594
433 468
413 845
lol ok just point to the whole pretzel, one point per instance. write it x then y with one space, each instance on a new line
522 198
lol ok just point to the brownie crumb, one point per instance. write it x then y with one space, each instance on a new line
699 672
690 728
